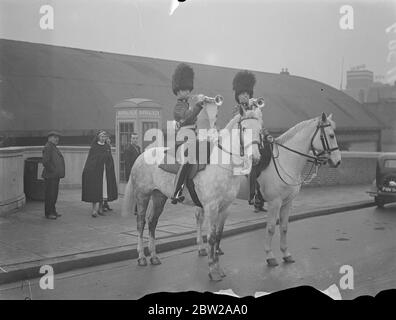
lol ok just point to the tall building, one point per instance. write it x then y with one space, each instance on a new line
359 81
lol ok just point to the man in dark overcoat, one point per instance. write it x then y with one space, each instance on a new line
54 170
131 153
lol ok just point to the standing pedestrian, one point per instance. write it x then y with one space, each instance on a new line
54 170
131 153
105 205
98 177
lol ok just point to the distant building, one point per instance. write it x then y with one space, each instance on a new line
377 99
359 81
362 87
380 92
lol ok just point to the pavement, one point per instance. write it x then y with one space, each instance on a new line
76 240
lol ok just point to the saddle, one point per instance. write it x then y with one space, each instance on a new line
171 165
265 156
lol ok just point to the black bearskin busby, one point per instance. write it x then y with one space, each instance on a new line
244 81
183 78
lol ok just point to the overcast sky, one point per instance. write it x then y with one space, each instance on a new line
262 35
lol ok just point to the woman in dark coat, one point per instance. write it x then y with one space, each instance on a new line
98 178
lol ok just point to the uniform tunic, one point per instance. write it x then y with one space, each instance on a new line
184 115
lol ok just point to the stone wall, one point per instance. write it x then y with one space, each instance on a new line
356 168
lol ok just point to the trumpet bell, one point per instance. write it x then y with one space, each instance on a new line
218 100
259 102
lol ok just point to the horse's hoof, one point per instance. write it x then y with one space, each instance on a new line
222 273
272 262
155 261
215 276
288 259
219 252
202 252
142 262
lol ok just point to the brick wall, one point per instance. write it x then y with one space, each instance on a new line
355 168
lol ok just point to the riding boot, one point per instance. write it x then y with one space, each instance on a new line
258 200
252 186
180 178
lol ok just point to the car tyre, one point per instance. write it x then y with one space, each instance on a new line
379 202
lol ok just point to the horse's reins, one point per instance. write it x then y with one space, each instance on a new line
241 140
317 159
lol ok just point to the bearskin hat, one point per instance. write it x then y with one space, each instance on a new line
244 81
183 78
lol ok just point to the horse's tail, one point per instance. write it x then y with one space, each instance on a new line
129 199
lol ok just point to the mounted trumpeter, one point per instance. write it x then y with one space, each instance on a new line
182 85
243 86
190 117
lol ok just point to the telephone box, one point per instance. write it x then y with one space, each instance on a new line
133 116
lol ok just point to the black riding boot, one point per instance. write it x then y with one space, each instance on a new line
252 186
258 200
180 178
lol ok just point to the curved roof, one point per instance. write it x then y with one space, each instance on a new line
137 102
73 90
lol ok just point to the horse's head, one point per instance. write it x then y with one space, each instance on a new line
324 142
249 125
208 116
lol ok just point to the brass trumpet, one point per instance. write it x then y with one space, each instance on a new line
217 100
258 102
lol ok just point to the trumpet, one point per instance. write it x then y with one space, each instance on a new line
217 100
259 102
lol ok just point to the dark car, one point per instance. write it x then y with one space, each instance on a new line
383 188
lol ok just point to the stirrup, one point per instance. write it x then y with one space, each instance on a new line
177 199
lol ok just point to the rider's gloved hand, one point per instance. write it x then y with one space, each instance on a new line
267 135
200 100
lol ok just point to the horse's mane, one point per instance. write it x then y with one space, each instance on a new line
286 136
232 122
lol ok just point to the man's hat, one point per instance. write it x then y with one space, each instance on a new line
183 78
53 133
102 133
244 81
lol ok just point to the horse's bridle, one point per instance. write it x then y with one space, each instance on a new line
323 138
241 140
317 157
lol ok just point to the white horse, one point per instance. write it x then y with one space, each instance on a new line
216 187
281 181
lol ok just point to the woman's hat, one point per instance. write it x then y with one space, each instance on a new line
183 78
244 81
